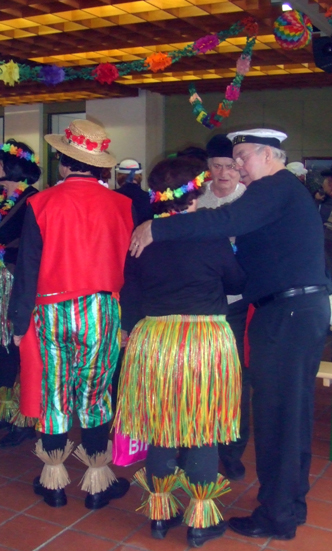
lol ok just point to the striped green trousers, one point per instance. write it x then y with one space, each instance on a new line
79 343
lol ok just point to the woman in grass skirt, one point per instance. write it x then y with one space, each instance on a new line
180 381
18 171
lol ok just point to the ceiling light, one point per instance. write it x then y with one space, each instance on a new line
286 7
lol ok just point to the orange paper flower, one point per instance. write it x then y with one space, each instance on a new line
158 62
223 112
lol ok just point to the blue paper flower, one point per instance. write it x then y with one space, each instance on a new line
52 74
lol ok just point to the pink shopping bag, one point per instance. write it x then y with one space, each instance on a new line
127 451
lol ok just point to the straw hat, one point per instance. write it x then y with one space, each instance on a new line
84 141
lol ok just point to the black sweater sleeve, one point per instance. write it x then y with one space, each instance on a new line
24 291
261 204
131 295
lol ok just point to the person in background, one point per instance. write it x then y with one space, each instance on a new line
180 379
281 249
19 170
65 297
298 169
128 176
325 210
225 187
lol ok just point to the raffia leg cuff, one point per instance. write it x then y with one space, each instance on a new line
7 403
17 418
202 511
99 476
161 504
54 475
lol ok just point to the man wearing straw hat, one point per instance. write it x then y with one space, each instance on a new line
69 274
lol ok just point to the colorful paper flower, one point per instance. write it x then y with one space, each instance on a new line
78 139
9 73
232 93
90 145
105 73
158 61
105 144
52 74
250 26
206 43
222 112
243 65
194 97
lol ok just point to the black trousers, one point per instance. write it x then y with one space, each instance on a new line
94 440
237 317
199 464
9 365
287 337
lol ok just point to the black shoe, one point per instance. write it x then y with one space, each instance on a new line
16 436
246 526
118 489
198 536
234 468
4 424
301 521
159 528
53 498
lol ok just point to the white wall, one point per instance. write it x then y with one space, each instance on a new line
25 123
304 114
134 125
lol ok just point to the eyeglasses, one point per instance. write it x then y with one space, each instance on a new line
240 160
230 166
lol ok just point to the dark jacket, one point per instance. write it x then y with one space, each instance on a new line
279 234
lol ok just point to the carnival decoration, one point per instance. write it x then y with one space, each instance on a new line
232 93
12 73
328 15
293 30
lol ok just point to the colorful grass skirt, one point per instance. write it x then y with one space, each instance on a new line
180 382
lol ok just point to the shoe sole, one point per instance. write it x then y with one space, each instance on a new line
161 534
236 478
51 503
199 541
99 505
281 537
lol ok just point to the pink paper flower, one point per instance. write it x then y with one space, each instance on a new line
206 43
232 93
243 65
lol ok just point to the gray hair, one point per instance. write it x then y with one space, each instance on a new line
279 154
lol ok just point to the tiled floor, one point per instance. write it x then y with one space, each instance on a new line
28 524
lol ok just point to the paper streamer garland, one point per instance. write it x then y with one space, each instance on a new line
293 30
12 73
328 15
214 119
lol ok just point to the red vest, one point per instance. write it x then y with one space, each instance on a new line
86 231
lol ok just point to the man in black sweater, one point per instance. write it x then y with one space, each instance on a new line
280 246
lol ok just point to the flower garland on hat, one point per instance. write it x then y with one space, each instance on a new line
86 143
18 152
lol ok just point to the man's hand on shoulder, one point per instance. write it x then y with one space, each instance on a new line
141 238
